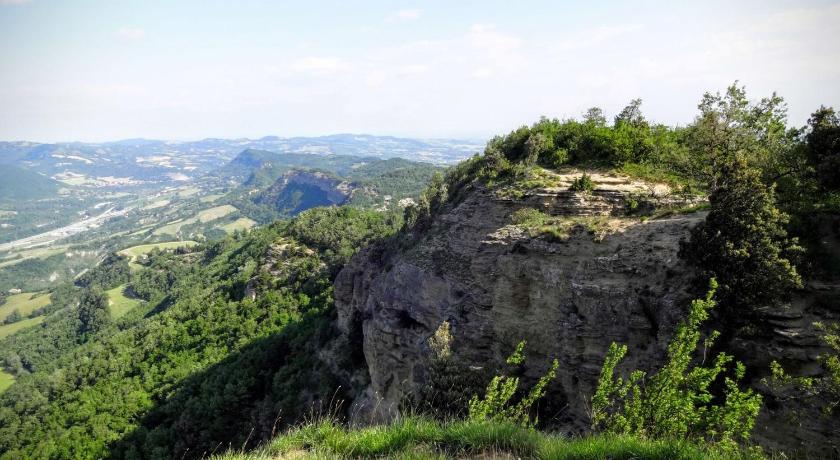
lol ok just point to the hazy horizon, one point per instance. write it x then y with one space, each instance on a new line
99 71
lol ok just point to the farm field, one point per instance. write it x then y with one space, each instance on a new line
36 253
203 216
9 329
243 223
135 251
25 303
210 198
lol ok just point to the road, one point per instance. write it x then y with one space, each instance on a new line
63 232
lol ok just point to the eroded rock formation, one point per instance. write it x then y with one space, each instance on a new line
495 284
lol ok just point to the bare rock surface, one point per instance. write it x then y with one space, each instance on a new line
496 285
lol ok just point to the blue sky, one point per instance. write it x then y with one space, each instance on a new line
105 70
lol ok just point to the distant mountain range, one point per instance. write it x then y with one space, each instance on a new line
137 161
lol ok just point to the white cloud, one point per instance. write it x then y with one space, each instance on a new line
597 36
404 15
483 72
413 69
497 50
14 2
375 78
131 33
320 65
486 37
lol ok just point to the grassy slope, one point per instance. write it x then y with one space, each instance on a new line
6 380
35 253
119 303
421 438
243 223
25 303
203 216
9 329
135 251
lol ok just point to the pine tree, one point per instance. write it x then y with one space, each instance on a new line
743 242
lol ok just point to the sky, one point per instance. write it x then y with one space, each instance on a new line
91 70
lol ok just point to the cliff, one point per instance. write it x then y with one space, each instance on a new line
297 191
608 277
612 278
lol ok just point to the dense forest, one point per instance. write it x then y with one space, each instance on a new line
227 348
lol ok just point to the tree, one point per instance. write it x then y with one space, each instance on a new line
93 312
631 114
743 241
730 128
111 272
594 116
13 317
538 145
822 147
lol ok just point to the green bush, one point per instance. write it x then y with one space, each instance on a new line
583 184
529 217
496 404
677 401
555 158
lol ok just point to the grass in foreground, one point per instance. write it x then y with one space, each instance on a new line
425 439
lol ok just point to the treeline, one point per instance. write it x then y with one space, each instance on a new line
769 184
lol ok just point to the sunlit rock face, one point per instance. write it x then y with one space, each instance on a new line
615 279
496 284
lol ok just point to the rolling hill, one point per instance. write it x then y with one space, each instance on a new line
21 184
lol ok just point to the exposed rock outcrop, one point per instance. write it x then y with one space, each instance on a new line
496 285
299 190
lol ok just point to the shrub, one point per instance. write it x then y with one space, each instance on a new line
676 402
529 217
13 317
826 386
555 159
496 405
583 184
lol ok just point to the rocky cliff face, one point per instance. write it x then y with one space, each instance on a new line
496 285
297 191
